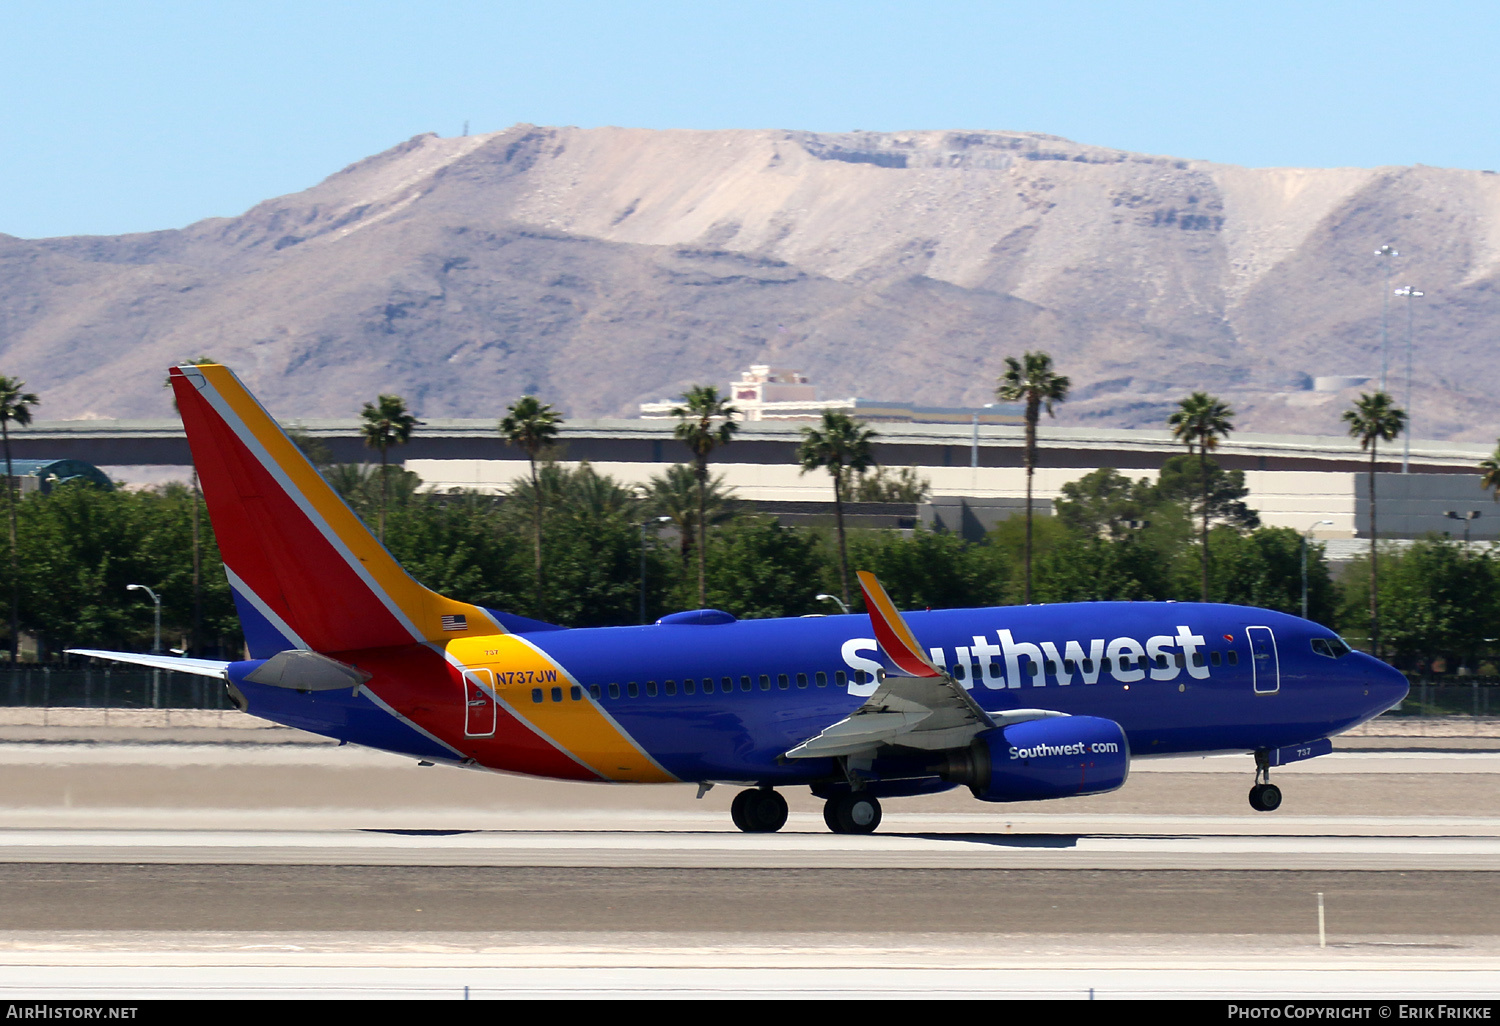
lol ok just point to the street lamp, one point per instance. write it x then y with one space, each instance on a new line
1471 515
834 599
155 645
644 525
1409 293
1386 252
1305 534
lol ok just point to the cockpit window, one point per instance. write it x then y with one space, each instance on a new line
1333 648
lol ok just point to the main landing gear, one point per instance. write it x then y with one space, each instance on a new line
1264 796
852 813
759 810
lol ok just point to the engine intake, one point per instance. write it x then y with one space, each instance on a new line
1051 758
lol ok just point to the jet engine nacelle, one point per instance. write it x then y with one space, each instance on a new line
1057 757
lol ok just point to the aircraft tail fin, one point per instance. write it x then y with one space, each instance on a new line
891 631
305 571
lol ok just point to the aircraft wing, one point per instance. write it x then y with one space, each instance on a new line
202 667
923 709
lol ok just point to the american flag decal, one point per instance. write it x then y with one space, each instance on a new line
455 622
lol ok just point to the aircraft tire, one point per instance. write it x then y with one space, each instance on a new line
1265 797
757 811
852 814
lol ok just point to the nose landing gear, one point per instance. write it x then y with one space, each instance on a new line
1264 796
760 810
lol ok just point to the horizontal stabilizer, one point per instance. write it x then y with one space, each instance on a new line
178 664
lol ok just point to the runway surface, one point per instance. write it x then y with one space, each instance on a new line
299 869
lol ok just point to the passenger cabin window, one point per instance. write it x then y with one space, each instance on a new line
744 683
783 681
958 672
841 678
1234 657
689 686
633 690
614 691
594 692
536 694
765 682
821 678
802 680
557 694
650 689
575 693
1216 658
671 686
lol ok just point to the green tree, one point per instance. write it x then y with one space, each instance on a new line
1033 381
1200 421
933 569
759 569
886 485
841 446
1222 501
387 423
1104 504
1264 568
15 408
1374 419
705 421
533 426
674 494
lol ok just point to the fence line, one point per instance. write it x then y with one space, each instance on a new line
45 687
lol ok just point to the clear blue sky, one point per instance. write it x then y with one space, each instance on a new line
122 117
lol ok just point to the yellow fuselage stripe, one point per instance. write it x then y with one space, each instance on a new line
578 726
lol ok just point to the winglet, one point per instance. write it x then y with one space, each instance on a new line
891 631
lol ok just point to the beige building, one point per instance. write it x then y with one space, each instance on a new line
766 393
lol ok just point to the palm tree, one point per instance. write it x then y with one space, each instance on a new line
1200 421
1490 479
674 494
705 421
841 447
1374 419
386 424
533 425
1031 380
15 406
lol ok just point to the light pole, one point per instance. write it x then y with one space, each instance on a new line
1305 535
1410 292
1467 518
835 600
644 525
1386 252
155 645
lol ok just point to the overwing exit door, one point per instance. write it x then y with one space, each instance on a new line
1265 667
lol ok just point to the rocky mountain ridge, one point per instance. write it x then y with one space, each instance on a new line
606 267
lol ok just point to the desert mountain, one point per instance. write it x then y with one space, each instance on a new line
606 267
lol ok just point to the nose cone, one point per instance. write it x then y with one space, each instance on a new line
1387 686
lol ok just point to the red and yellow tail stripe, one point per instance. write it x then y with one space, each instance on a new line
891 631
289 538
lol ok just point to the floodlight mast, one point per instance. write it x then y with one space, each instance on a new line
1408 292
1386 252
